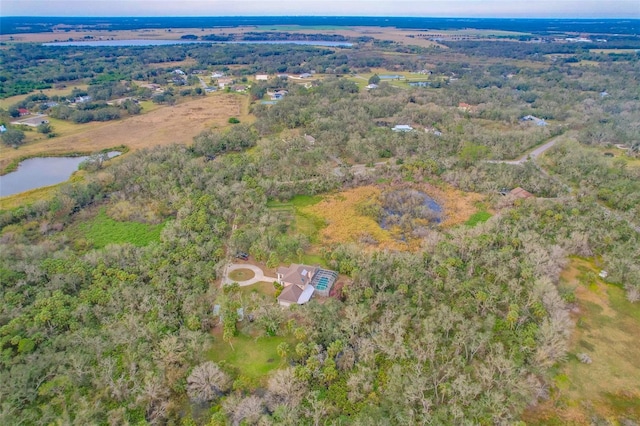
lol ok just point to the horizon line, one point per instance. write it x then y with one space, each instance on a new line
327 16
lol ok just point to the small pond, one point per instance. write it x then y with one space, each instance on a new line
42 171
404 207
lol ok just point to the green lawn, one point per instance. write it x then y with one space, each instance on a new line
102 230
477 218
263 288
241 275
304 223
252 357
297 201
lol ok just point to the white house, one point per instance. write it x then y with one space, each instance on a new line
402 128
262 77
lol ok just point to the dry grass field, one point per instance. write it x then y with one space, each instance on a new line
63 35
607 329
162 126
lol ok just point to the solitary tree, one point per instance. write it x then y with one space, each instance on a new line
13 137
207 382
44 128
374 79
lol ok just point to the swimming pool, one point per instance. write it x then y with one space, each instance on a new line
323 283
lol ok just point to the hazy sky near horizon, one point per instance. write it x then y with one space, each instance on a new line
427 8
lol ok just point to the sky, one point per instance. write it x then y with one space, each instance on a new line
416 8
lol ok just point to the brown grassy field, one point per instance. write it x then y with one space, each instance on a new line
607 329
162 126
64 35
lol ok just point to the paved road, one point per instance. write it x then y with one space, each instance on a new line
531 155
257 278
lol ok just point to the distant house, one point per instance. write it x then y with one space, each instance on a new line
224 82
520 193
538 121
217 74
371 86
239 88
402 128
82 99
277 95
306 75
23 111
262 77
433 130
301 281
285 76
463 106
178 72
2 128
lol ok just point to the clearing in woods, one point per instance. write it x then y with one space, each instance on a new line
607 329
345 221
163 126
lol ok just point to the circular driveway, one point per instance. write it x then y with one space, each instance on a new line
259 275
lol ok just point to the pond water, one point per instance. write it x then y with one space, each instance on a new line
412 203
99 43
38 172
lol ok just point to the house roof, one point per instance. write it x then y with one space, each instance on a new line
297 274
291 294
402 128
520 193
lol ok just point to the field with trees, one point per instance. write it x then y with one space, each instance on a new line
498 309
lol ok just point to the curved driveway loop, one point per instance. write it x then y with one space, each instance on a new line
257 278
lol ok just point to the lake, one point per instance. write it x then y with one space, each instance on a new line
38 172
99 43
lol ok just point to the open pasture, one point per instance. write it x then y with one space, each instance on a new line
163 126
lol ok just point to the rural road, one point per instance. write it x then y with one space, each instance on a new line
531 155
537 152
259 274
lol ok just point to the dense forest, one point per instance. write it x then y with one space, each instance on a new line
466 329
